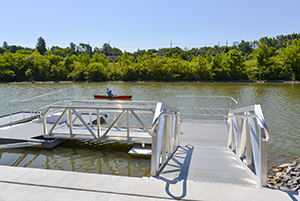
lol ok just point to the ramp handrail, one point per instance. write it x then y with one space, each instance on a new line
196 109
32 111
186 96
248 140
165 137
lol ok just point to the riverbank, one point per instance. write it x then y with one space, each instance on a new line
285 176
70 82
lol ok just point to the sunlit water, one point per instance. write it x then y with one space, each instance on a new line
280 104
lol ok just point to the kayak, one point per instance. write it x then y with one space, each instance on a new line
114 97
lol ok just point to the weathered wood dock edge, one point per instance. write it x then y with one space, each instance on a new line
192 181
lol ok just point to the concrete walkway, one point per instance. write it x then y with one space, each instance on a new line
36 184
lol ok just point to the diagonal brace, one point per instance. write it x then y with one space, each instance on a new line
84 123
114 122
140 121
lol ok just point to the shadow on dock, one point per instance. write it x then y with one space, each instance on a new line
177 170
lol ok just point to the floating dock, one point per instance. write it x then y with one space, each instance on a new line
194 160
202 168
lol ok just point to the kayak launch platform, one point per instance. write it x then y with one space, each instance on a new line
191 159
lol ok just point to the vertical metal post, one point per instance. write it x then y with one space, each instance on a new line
45 124
248 146
70 122
90 116
177 131
163 147
168 135
154 155
263 158
128 130
98 124
240 129
231 138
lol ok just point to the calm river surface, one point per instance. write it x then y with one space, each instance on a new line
280 104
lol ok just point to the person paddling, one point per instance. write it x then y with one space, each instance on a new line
109 93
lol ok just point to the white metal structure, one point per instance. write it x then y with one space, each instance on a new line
247 138
202 105
35 105
134 121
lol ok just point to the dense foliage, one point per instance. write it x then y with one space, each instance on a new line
268 59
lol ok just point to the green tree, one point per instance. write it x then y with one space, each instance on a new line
234 64
2 50
245 47
262 56
72 48
106 49
291 58
41 46
86 48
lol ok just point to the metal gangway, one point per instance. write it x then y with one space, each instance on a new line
246 133
144 122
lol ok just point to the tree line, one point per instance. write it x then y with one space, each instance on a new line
275 58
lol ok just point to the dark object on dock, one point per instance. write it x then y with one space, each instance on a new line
101 120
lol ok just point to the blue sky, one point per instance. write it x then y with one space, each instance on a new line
140 24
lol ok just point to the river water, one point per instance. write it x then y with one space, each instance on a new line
279 101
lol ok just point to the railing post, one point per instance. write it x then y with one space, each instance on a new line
230 142
70 122
164 140
157 145
154 155
248 145
239 135
177 131
263 158
168 135
45 124
90 116
98 124
128 128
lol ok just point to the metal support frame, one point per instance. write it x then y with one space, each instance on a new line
165 138
218 112
164 130
249 140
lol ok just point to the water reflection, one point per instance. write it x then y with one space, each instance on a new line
108 158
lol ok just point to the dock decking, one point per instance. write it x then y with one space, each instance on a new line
201 169
15 118
204 156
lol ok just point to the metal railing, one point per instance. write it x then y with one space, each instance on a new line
201 106
162 130
165 137
248 139
33 109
